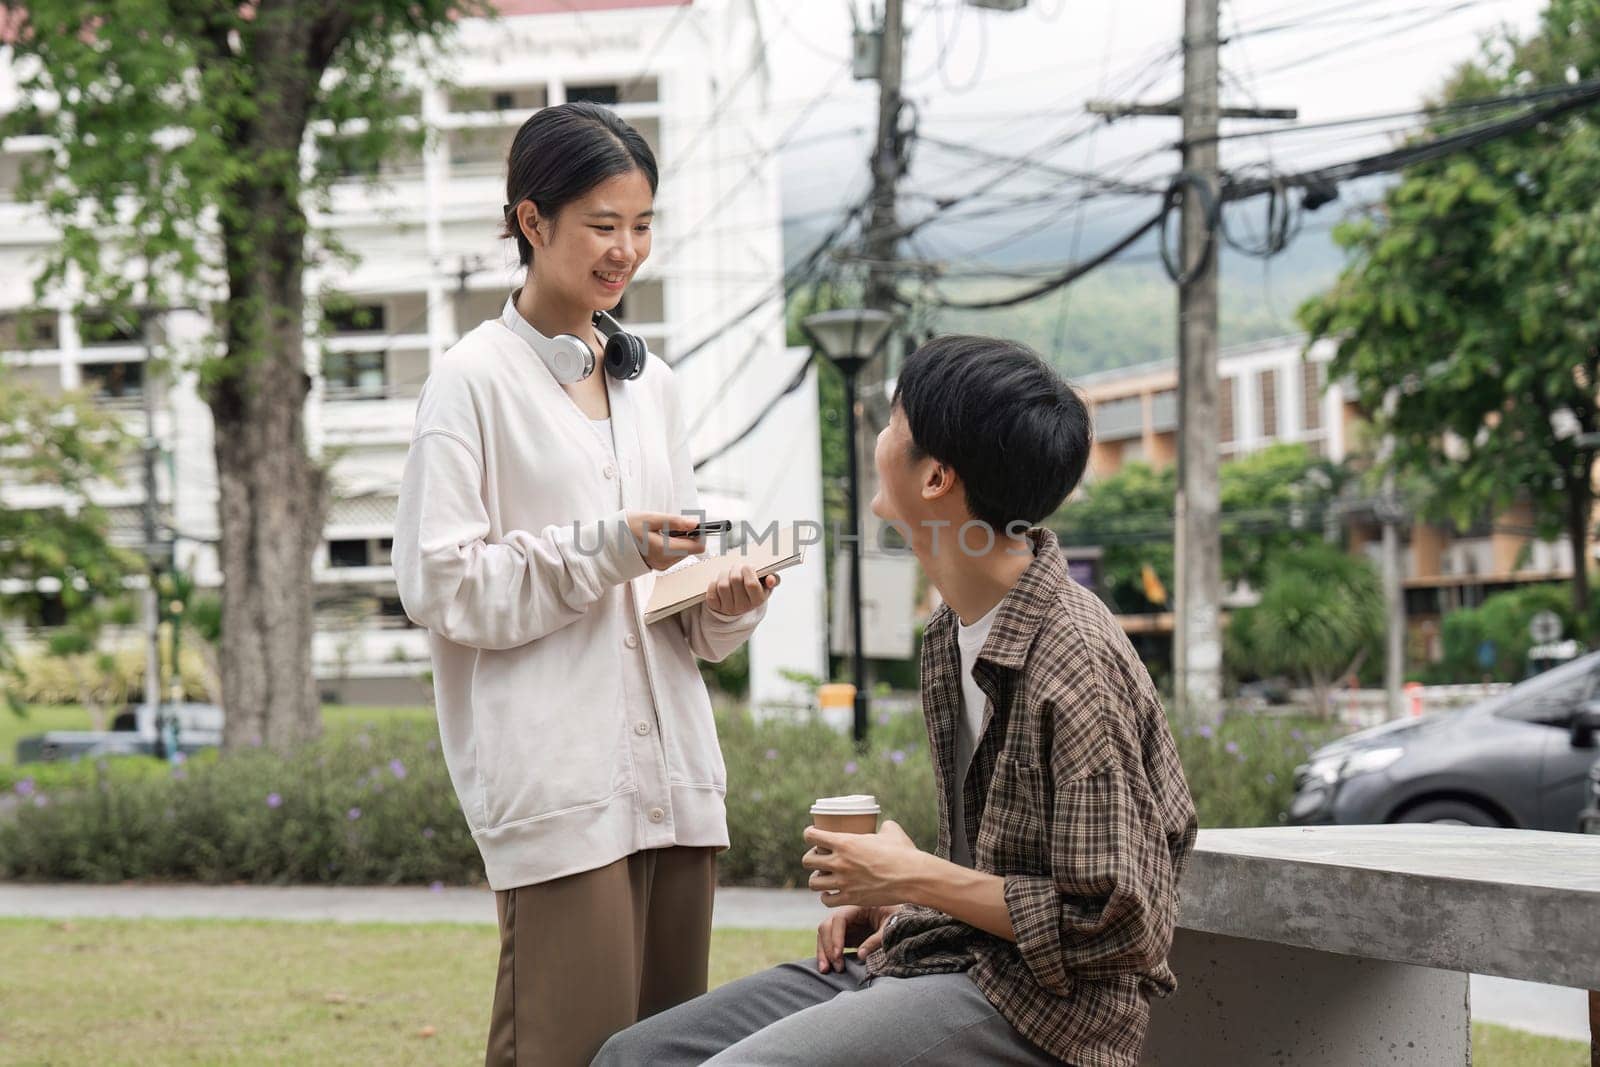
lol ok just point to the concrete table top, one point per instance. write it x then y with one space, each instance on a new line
1515 903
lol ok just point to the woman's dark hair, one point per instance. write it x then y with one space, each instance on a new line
561 153
1012 428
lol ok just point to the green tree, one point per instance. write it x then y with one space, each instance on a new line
1498 626
1272 501
1471 289
58 548
179 140
1319 610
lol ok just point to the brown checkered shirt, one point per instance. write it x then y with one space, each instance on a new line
1076 797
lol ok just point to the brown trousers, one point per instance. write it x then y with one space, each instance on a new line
585 956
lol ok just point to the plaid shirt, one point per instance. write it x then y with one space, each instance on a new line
1076 797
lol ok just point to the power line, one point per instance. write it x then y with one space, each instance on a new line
793 386
1067 277
786 287
1322 182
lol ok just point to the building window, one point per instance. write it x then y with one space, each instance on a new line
504 101
114 381
354 374
28 330
355 318
606 94
103 328
348 553
1269 403
346 157
1311 377
1225 409
1164 411
1116 419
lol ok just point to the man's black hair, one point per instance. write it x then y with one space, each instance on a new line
1011 427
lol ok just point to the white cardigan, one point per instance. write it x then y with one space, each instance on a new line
574 734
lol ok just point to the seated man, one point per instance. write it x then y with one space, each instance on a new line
1041 927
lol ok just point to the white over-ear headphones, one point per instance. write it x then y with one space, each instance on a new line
570 358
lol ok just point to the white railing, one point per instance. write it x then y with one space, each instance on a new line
1370 707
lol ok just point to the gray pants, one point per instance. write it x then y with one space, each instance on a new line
795 1015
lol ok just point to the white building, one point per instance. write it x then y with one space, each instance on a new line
691 75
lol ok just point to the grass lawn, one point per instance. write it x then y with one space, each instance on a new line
158 992
44 717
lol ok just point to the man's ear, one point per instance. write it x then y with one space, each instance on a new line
939 481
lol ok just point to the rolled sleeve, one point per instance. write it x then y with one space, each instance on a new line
1092 917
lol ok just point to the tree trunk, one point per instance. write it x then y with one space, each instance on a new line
270 490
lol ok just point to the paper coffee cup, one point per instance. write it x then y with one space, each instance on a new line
855 814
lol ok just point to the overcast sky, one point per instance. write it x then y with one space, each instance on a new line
1012 82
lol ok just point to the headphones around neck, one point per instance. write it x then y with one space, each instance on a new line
569 356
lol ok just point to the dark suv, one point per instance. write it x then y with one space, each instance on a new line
1521 759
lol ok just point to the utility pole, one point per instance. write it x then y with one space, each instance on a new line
888 161
1393 597
152 596
880 243
1197 620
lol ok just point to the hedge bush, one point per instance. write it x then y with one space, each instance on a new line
375 806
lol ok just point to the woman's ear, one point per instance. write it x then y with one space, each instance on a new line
531 224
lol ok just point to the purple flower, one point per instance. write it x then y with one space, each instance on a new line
180 757
364 740
436 887
397 768
24 788
1272 779
772 753
1206 732
274 800
883 718
180 773
427 833
433 746
41 801
897 756
353 814
851 768
1232 748
1297 735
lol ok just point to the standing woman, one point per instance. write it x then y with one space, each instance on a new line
549 476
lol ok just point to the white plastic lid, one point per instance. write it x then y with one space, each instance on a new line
855 804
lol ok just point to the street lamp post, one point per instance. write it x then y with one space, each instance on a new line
849 338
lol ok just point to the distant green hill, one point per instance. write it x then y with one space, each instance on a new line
1126 313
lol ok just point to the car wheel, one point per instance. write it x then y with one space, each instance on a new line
1449 813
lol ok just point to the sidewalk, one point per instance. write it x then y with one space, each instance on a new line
780 909
1541 1009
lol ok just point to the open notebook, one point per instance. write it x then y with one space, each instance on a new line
684 586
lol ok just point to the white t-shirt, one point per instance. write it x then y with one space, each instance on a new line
973 707
602 428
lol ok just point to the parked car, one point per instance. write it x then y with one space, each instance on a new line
1589 820
134 732
1521 758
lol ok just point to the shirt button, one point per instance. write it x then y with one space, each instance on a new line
631 641
641 728
610 471
656 815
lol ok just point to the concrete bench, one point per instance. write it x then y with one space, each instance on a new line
1336 945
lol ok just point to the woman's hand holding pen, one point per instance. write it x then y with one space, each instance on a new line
660 537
